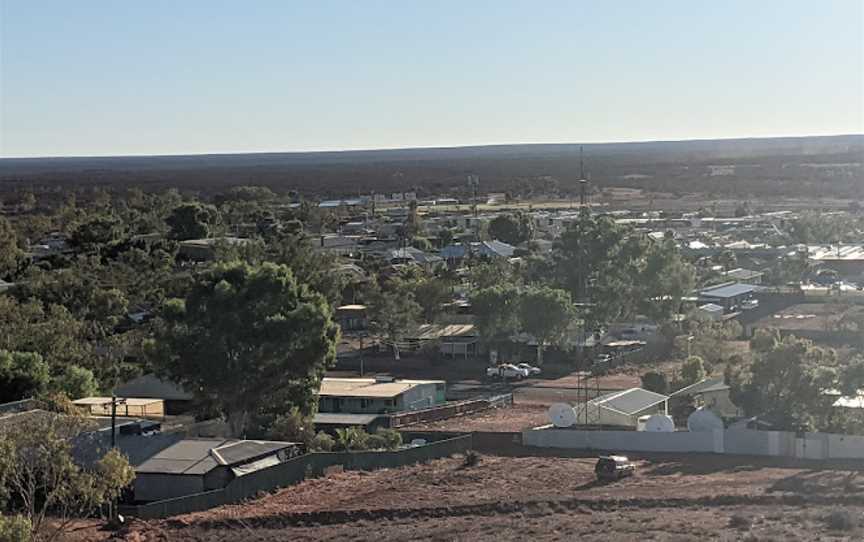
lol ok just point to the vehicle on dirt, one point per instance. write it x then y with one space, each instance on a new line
532 370
613 467
506 371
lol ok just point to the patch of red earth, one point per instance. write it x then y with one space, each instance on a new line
508 419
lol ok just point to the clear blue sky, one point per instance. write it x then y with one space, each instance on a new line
94 77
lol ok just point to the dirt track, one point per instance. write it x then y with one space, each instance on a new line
540 498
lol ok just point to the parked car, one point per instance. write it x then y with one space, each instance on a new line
749 304
532 370
506 371
613 467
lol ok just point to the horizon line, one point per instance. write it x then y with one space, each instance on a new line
421 147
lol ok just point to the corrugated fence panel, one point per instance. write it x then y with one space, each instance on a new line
295 470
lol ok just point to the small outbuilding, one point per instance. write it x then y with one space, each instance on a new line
196 465
622 408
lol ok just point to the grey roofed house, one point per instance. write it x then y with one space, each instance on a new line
191 466
411 254
489 249
728 291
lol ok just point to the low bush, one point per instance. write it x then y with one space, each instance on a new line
471 459
392 438
15 529
322 442
841 520
739 521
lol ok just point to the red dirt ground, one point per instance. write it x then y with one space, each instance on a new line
693 498
516 418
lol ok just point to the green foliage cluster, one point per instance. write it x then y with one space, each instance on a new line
355 439
513 229
253 340
42 488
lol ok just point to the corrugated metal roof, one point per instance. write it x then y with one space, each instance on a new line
368 387
709 384
730 290
629 401
244 450
332 418
200 456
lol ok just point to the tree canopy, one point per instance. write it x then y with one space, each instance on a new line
513 228
191 220
248 338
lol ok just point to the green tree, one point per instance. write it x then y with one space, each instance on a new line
392 314
546 314
76 382
191 221
248 338
656 382
38 474
445 237
310 267
692 371
787 385
97 234
764 340
727 260
22 375
513 229
496 313
51 331
11 254
598 262
664 281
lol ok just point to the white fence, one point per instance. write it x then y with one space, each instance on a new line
818 446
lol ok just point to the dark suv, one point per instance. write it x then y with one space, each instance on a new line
613 467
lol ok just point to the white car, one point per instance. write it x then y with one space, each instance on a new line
532 370
507 370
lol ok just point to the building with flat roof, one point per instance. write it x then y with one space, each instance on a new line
126 406
730 296
378 395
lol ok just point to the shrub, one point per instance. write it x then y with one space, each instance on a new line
351 438
322 442
841 520
739 521
376 442
15 529
292 427
392 438
471 459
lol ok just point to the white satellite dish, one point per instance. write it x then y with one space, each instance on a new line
703 419
660 423
562 415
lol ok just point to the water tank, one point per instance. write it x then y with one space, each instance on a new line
562 415
703 419
660 423
641 421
